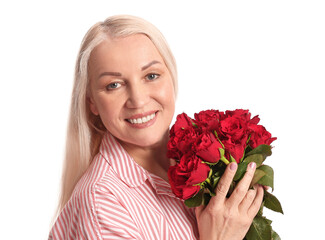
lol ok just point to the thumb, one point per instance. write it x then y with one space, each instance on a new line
198 210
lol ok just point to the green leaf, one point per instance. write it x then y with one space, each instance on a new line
257 176
263 149
241 169
271 202
210 173
268 221
232 158
266 180
257 158
196 200
260 211
275 236
247 149
259 230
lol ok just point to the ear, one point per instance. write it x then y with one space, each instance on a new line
92 105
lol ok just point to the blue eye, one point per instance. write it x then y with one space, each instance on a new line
114 85
152 76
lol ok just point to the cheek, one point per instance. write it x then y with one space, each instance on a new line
108 108
167 96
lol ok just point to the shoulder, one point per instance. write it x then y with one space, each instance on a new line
93 211
78 217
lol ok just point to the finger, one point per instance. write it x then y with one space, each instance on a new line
253 209
198 210
224 184
248 199
266 188
241 189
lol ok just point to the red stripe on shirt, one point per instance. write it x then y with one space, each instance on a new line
118 199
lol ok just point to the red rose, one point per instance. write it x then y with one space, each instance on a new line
245 115
181 143
233 127
254 121
186 144
234 132
182 135
182 122
172 150
236 150
207 147
208 119
260 136
188 172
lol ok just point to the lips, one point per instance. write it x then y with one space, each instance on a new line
142 118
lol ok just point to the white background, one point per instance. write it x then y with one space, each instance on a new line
266 56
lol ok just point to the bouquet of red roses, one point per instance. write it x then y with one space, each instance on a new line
205 145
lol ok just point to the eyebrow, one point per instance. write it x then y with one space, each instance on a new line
117 74
150 64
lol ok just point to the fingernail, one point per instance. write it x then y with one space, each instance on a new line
252 165
233 166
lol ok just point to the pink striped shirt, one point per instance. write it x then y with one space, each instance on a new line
118 199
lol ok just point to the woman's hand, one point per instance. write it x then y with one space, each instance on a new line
230 218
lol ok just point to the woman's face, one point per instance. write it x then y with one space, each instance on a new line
132 90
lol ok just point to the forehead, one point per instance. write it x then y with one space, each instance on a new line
134 50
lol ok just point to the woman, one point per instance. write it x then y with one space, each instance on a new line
115 183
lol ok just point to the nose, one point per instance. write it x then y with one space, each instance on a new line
137 96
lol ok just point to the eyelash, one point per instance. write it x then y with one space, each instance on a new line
110 86
156 76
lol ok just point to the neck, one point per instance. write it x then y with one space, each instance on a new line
151 158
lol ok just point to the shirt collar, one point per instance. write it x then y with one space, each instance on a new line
160 185
122 163
127 169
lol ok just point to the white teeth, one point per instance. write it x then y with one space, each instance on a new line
143 119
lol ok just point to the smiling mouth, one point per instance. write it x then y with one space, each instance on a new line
142 120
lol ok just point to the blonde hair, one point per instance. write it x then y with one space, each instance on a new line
85 130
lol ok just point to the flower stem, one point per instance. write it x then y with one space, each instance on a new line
224 160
